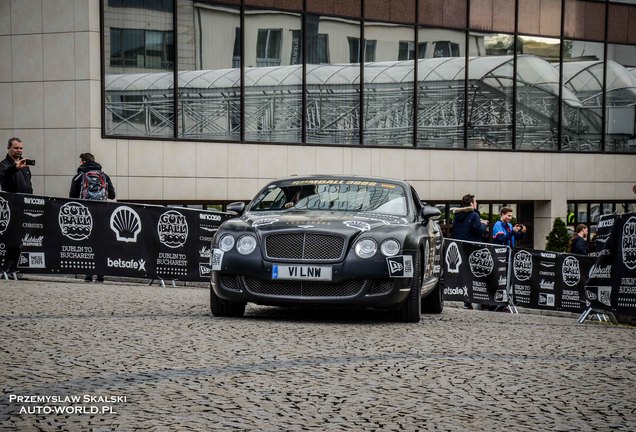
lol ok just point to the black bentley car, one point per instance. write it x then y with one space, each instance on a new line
330 240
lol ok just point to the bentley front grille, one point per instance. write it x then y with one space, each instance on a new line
303 289
304 246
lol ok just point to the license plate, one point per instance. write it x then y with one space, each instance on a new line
301 272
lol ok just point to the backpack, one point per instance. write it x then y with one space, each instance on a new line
94 186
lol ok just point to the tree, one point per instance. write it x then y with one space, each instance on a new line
558 239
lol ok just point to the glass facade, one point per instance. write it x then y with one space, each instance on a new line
478 74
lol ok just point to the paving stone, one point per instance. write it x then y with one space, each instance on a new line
281 369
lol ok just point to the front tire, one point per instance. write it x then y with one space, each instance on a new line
411 310
224 308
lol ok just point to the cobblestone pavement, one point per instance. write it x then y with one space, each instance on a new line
157 359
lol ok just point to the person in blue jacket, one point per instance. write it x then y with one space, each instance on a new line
468 225
504 233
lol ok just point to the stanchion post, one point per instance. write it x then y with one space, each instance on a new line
511 304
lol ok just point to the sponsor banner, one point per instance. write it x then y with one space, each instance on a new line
549 280
59 235
603 231
612 282
533 278
570 286
16 223
475 272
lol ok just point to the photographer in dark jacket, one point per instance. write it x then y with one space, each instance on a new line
15 176
468 225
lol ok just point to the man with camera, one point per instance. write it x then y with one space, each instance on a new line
503 232
15 175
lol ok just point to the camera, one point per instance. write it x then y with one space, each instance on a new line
30 162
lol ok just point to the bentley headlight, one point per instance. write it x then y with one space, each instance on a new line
246 244
366 248
226 243
390 247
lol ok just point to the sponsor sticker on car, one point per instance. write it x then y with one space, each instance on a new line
400 266
301 272
216 259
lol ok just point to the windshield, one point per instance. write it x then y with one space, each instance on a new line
332 195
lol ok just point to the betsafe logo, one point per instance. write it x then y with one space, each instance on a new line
131 264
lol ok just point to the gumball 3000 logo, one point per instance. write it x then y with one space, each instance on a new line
172 229
571 271
629 243
481 262
5 215
522 265
75 221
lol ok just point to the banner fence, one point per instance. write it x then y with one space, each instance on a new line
489 274
66 236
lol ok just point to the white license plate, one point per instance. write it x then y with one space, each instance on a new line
301 272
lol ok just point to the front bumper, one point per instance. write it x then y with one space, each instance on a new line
354 282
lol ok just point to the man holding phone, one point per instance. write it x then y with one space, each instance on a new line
15 175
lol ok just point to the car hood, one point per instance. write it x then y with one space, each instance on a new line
339 222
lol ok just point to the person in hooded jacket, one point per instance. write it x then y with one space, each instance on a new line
87 164
468 225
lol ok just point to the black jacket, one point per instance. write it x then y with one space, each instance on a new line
578 245
14 180
76 183
467 225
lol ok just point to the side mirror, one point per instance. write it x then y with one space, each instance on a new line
430 212
236 207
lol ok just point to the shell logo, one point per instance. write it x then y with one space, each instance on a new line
126 224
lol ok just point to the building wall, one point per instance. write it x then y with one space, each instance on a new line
51 93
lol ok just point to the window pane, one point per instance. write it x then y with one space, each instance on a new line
620 98
388 84
273 76
582 96
333 87
582 213
490 86
537 93
138 59
440 87
209 75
